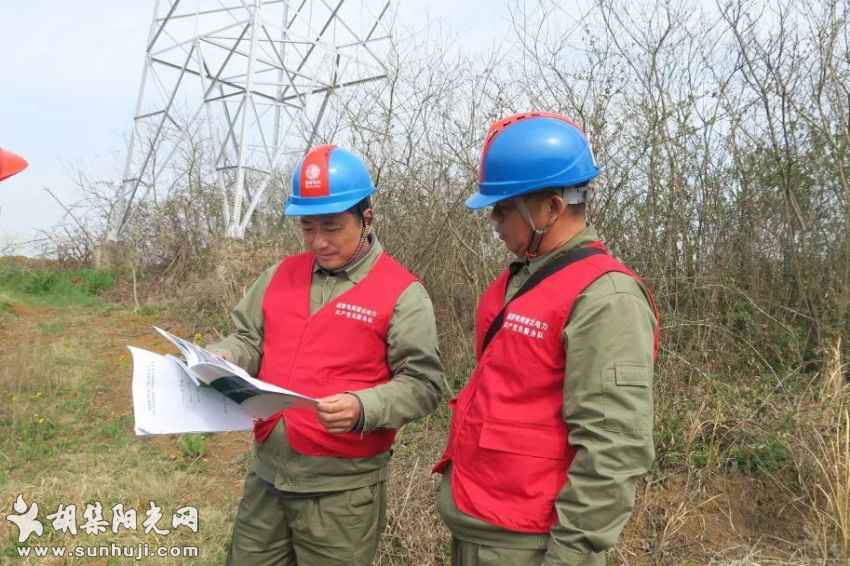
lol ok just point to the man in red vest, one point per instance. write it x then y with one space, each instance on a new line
554 426
345 323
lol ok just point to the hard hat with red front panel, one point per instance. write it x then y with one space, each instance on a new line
533 151
328 180
10 164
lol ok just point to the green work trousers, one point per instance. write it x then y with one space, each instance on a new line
500 549
329 529
471 554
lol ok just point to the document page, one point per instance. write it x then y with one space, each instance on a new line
166 400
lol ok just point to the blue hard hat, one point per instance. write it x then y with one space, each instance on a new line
529 152
328 180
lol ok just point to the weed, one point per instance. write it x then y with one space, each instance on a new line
92 281
149 310
116 432
759 457
34 437
11 549
193 446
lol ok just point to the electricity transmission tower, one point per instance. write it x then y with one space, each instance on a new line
252 78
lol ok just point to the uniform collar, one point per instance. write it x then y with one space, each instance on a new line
530 265
360 268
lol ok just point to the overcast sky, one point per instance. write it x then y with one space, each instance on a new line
69 78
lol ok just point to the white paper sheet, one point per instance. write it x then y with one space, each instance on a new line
166 400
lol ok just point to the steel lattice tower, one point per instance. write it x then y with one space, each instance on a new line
253 79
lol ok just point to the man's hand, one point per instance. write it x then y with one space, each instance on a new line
339 413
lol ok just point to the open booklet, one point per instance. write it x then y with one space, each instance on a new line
201 392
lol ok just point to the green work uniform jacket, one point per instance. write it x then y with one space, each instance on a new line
612 325
414 391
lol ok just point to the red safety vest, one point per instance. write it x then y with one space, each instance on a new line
508 444
341 347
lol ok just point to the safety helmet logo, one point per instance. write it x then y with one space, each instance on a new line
313 172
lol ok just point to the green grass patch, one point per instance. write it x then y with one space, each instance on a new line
55 288
53 327
75 401
11 549
193 446
34 438
6 307
116 432
766 457
150 310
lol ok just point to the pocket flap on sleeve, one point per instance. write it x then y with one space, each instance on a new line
632 375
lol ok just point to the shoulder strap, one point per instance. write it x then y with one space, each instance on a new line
553 266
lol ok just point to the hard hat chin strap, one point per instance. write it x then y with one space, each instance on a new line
536 233
570 195
362 246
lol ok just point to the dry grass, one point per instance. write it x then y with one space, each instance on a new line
822 459
66 438
414 533
832 458
835 379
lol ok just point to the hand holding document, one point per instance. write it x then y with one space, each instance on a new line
200 393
